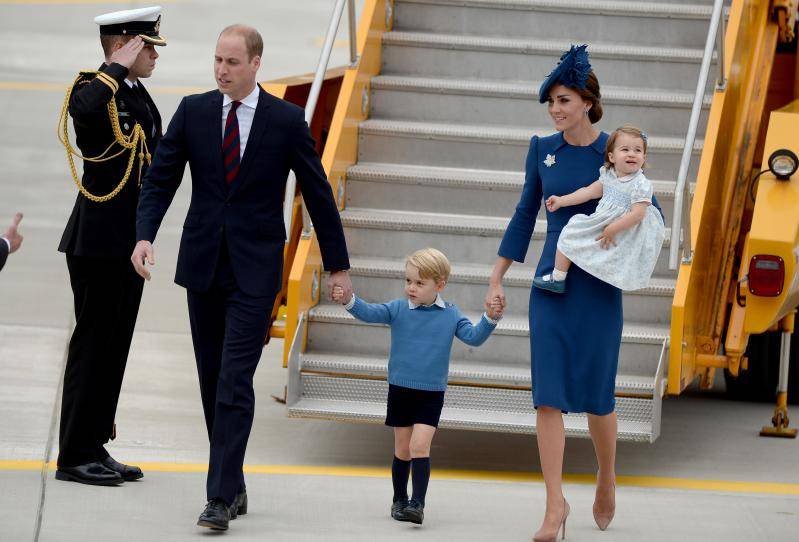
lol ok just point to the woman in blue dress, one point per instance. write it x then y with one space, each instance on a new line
575 337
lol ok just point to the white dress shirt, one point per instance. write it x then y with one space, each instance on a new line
245 114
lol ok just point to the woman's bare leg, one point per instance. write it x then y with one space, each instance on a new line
551 443
603 434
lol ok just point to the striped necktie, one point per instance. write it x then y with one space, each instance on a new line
230 144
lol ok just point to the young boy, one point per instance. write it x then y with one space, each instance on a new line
422 329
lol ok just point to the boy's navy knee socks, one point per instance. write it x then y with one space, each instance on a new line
421 476
400 470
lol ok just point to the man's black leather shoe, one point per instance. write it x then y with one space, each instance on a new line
414 512
216 515
398 509
127 472
93 474
239 507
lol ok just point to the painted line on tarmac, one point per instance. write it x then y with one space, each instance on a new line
661 482
62 87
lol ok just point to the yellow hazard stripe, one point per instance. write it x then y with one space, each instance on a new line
692 484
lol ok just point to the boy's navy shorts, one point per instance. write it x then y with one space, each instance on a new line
407 406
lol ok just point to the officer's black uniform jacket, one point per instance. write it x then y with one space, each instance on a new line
3 253
107 229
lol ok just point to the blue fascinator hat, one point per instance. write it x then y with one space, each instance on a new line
572 72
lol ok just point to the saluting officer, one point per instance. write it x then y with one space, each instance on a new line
117 128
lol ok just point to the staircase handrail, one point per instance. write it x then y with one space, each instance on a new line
682 199
310 106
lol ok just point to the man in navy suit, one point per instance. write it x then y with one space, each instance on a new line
240 144
11 240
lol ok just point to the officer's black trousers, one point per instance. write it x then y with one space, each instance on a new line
107 293
228 329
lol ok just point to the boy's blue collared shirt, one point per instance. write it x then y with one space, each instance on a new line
421 338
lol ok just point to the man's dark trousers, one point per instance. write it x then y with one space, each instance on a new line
228 329
107 292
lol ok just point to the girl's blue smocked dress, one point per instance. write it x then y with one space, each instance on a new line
629 263
575 336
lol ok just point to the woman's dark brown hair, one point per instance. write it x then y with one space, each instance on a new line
592 95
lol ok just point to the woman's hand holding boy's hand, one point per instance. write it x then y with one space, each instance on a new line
553 203
495 309
338 295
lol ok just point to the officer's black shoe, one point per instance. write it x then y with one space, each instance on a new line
398 509
239 507
127 472
216 515
93 474
414 512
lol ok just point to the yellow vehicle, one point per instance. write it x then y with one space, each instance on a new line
732 284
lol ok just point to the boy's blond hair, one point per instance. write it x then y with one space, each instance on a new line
431 263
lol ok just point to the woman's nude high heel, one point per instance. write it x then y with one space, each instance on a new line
604 517
552 537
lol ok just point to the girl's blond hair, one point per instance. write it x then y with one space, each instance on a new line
431 263
628 129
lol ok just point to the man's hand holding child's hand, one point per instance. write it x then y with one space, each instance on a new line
495 309
338 295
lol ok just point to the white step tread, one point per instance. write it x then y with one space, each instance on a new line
460 372
486 226
512 135
632 332
529 90
576 425
544 46
511 181
479 274
604 7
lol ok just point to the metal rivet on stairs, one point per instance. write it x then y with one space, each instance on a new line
389 14
315 285
364 100
340 192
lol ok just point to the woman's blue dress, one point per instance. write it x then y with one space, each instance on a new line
574 337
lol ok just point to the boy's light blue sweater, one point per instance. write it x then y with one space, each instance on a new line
421 339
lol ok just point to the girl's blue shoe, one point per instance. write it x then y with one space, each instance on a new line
546 282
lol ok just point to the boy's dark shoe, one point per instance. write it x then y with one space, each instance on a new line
239 507
414 512
216 515
546 282
398 509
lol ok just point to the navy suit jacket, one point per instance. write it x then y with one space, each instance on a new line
249 212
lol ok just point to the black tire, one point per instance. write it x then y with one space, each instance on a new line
759 382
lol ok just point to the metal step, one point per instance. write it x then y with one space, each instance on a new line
332 327
383 279
465 407
434 189
460 373
463 238
484 146
506 102
520 59
637 23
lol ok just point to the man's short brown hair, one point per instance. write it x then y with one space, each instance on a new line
252 39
